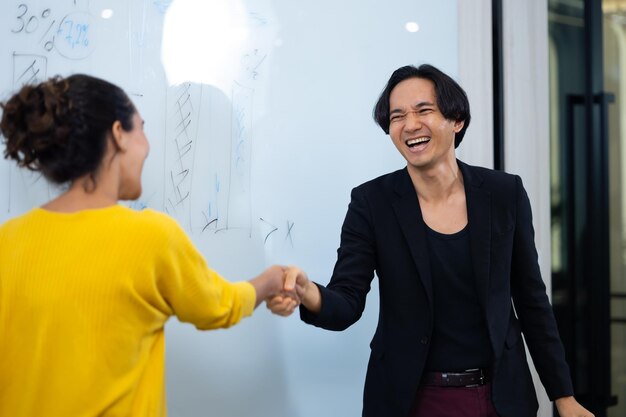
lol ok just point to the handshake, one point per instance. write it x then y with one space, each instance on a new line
286 289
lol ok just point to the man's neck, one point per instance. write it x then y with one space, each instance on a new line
437 183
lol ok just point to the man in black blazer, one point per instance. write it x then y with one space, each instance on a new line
453 248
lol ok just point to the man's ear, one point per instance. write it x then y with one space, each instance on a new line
118 136
458 125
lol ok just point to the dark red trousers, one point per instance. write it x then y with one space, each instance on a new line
432 401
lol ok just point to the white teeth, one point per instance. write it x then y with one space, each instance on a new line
412 142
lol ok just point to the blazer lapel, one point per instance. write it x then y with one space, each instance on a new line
478 202
409 216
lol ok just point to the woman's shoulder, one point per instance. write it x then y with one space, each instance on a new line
19 220
153 220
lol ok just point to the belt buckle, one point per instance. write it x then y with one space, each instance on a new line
481 380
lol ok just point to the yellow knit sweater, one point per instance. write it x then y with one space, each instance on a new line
83 300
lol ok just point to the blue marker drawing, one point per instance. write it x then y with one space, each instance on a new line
72 38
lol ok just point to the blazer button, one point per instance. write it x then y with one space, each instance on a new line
424 340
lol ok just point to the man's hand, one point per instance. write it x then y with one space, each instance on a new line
297 288
283 304
569 407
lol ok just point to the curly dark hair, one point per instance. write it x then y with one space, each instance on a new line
451 98
60 126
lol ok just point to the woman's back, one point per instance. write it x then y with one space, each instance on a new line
86 285
83 300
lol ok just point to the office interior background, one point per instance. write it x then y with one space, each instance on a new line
557 82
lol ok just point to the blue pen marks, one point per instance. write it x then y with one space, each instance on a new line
162 5
74 33
73 36
258 18
70 36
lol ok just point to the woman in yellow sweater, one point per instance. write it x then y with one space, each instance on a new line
86 285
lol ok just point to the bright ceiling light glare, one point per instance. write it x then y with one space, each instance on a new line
204 41
412 27
107 13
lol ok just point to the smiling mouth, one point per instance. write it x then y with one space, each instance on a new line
411 143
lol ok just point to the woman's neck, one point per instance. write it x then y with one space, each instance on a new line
84 194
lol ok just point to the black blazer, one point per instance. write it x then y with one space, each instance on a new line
384 232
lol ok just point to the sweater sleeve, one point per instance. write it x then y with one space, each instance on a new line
194 292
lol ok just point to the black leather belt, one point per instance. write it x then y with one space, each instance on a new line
469 378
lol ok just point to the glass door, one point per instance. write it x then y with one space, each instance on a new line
588 157
614 52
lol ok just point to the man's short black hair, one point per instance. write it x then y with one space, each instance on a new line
451 99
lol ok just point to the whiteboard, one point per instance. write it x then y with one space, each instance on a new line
258 113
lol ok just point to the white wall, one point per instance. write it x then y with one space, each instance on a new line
476 78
